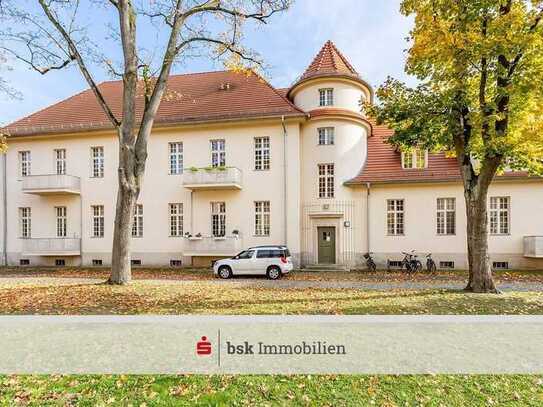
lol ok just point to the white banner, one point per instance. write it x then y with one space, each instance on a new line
271 344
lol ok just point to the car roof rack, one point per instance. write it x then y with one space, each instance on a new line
269 246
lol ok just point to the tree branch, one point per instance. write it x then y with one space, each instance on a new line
81 63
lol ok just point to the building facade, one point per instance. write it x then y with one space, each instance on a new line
233 163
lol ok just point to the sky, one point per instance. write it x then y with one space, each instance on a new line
371 34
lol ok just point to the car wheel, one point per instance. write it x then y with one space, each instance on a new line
225 272
274 273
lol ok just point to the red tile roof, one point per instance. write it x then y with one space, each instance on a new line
190 98
384 164
329 61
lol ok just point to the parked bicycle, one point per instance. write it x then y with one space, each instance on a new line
411 263
370 263
430 264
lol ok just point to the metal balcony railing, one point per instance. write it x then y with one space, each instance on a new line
51 184
52 247
212 178
212 246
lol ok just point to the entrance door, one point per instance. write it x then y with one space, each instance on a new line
327 245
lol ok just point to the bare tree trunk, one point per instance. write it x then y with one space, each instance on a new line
122 235
480 271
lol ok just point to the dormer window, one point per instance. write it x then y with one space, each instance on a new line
326 97
415 159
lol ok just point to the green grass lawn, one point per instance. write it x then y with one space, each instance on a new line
200 390
204 297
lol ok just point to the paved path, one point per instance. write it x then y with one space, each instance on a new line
285 283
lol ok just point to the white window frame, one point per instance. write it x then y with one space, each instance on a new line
60 161
395 217
413 159
175 211
326 176
500 215
97 162
262 218
326 97
61 213
25 222
326 136
25 163
218 219
175 151
218 152
445 224
98 221
262 153
137 223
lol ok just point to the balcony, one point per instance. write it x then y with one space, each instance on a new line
52 184
212 178
212 246
533 246
52 247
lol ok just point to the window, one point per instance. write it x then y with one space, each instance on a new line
24 163
61 221
176 219
176 158
262 218
176 263
326 97
218 219
97 220
499 215
415 158
446 264
395 216
262 153
446 216
60 161
247 254
24 262
60 262
218 155
326 180
326 136
135 262
270 254
97 154
137 224
25 221
500 265
97 262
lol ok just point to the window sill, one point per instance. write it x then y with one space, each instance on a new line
396 235
262 170
499 234
261 235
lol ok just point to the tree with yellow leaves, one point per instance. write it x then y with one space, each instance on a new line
480 64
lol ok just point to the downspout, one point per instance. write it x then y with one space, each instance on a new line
80 223
368 187
4 210
285 221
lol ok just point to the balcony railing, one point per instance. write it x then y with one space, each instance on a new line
51 184
212 246
212 178
52 247
533 246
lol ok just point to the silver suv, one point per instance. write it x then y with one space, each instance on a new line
272 261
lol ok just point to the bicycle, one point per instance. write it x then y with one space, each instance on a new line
372 267
430 264
411 263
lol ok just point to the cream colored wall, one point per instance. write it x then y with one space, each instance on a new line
420 222
347 94
160 189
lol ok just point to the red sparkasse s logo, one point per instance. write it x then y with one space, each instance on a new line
203 347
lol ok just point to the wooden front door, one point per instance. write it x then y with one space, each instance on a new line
327 245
